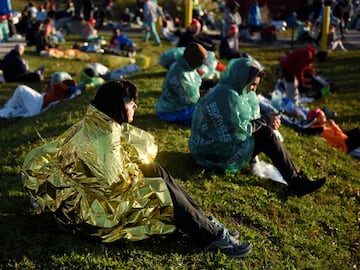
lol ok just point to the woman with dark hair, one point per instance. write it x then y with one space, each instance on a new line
227 131
99 178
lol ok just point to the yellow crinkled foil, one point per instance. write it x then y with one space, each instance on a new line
89 178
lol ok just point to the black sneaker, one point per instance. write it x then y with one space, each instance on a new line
229 246
220 226
301 185
40 70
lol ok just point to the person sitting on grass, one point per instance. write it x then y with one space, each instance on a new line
227 131
334 41
193 34
121 42
90 33
181 87
229 44
16 69
111 188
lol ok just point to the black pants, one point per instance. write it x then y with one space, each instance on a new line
288 76
267 142
26 77
189 217
353 140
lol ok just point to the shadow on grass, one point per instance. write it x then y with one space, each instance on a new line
38 239
172 161
147 75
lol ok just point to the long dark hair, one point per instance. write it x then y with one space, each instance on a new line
109 99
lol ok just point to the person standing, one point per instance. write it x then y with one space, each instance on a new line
231 16
151 13
254 17
348 13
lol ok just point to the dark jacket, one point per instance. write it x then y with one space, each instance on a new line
226 52
13 65
189 37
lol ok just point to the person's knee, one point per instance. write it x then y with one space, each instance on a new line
264 131
150 170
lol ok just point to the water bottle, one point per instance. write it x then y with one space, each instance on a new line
276 98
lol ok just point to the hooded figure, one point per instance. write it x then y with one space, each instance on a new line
221 133
227 130
181 87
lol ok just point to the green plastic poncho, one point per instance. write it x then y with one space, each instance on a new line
90 180
221 131
180 88
169 57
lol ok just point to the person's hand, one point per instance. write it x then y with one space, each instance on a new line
274 120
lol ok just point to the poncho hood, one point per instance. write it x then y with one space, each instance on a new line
240 72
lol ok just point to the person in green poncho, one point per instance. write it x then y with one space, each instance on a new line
99 179
227 130
182 86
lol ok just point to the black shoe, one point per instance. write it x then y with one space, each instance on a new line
40 70
301 185
220 226
229 246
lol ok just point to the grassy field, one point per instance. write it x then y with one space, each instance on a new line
318 231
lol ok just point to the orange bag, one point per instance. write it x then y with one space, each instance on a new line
334 136
332 133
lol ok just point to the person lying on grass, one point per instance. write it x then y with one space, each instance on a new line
27 102
99 179
227 131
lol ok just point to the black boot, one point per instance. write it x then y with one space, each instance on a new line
300 185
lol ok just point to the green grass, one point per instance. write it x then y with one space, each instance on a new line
318 231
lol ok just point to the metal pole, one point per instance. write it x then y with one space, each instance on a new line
188 12
326 24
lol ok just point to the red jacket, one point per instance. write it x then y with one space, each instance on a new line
299 61
58 91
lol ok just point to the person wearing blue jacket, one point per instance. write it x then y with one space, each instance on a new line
227 130
254 17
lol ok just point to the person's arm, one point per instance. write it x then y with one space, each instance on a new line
271 119
191 89
21 65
